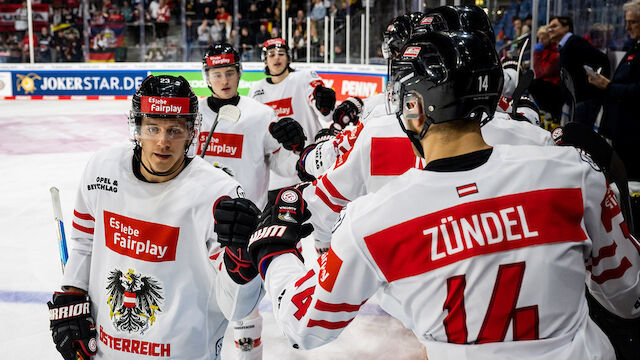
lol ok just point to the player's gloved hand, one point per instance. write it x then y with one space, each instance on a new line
348 112
289 133
325 99
300 164
72 327
235 220
280 229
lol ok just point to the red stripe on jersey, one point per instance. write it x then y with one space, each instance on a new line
605 252
215 256
611 274
82 228
82 216
391 156
305 278
331 325
477 228
326 201
332 189
323 306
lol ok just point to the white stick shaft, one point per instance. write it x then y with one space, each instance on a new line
57 214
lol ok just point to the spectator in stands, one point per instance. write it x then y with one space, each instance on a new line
4 49
300 22
218 32
203 36
275 20
575 52
224 18
546 86
317 15
621 121
344 8
71 48
526 27
171 52
115 15
25 46
162 19
517 27
127 12
15 54
155 53
247 45
20 23
208 14
67 16
45 44
191 31
298 45
152 10
253 19
263 35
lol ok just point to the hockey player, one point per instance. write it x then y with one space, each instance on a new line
145 275
297 94
249 150
246 147
482 254
366 157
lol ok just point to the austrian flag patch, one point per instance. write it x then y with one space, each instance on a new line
158 105
221 59
411 52
468 189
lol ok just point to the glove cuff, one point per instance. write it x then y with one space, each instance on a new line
265 257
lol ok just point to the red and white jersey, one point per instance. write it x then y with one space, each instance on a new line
148 256
164 14
292 97
381 152
246 147
488 263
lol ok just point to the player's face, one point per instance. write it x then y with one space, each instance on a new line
163 142
224 81
276 60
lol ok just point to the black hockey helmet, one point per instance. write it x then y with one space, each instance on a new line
448 76
275 43
164 96
456 18
415 18
396 35
220 55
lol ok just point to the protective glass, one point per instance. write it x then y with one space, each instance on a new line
171 132
219 75
273 52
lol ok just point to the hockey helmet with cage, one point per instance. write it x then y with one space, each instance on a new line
456 18
165 96
444 76
220 55
396 35
275 43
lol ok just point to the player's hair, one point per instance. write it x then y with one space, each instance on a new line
633 7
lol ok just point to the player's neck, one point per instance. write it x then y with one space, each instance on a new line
438 145
174 171
279 78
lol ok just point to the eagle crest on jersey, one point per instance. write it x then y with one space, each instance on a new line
133 299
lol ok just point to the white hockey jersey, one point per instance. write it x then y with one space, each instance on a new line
487 263
247 147
377 153
292 97
147 255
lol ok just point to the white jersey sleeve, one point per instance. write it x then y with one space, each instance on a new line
504 130
613 262
313 308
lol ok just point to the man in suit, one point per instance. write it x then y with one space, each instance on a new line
575 52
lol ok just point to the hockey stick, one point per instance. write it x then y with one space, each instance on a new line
583 137
62 238
524 82
567 81
229 113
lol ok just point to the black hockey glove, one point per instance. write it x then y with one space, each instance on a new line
280 229
289 133
235 220
72 327
325 99
348 112
300 164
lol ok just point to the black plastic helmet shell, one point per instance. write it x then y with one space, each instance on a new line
458 74
456 18
273 44
157 94
397 34
221 55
